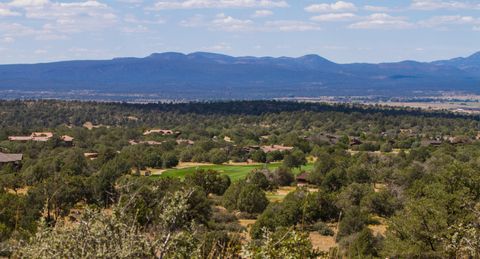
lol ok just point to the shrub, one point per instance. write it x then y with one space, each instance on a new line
210 181
322 228
258 179
252 199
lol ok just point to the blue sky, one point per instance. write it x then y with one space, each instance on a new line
343 31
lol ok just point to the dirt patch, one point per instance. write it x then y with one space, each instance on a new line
284 190
183 165
154 171
89 125
21 191
247 222
378 229
322 243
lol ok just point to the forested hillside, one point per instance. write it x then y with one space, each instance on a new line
259 179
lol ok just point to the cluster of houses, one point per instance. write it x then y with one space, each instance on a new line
16 159
154 143
267 149
163 132
40 137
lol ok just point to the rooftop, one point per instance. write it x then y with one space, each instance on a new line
8 158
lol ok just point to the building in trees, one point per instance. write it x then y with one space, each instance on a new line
302 179
35 136
14 159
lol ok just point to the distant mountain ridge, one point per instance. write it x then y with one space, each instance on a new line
203 75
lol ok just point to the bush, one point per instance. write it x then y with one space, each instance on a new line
295 160
252 199
283 243
258 179
230 197
322 228
170 160
361 245
218 156
245 197
259 156
352 222
382 203
210 181
283 177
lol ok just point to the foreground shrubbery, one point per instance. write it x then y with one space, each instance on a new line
100 235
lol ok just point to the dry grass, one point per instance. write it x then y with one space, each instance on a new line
153 171
89 125
379 229
21 191
322 243
279 194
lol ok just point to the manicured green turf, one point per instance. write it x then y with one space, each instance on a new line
236 172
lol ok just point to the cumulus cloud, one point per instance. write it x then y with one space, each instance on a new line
68 17
334 17
198 4
262 13
194 21
221 47
12 31
382 21
291 25
339 6
374 8
7 12
440 4
228 23
28 3
448 20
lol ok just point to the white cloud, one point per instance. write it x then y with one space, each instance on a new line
194 21
228 23
382 21
28 3
40 51
291 25
16 30
50 36
222 46
131 1
12 31
334 17
7 12
339 6
134 20
262 13
373 8
71 17
447 20
7 39
440 4
135 29
198 4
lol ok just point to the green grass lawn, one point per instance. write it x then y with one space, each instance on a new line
236 172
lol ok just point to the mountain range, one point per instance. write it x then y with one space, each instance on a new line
202 75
